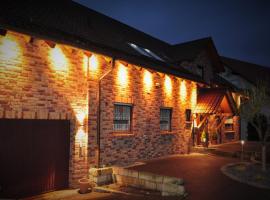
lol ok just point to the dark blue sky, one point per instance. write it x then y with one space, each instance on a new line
240 28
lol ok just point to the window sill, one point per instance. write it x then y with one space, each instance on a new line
122 134
229 131
168 132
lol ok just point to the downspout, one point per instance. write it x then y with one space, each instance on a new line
99 112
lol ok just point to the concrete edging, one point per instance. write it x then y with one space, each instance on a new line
168 186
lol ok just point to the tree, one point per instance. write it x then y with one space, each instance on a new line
252 111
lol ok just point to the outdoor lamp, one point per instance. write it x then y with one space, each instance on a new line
242 152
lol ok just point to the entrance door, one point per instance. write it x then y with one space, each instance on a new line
34 156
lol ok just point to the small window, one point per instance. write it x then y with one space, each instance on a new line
122 117
165 119
229 124
188 115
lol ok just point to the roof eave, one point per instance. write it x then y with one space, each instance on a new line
108 51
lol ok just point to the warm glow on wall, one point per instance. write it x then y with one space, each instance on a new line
183 90
81 116
122 75
93 63
9 48
148 81
58 59
85 64
193 96
168 85
81 136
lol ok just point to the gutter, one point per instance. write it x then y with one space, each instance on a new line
99 112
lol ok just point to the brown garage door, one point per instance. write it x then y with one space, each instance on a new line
34 156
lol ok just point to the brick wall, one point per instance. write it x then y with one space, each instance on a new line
40 82
145 141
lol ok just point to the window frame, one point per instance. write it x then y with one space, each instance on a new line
170 118
130 116
228 124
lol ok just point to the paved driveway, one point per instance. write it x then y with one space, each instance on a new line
204 180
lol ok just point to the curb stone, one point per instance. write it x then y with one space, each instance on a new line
224 171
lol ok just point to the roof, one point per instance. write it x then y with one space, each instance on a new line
222 82
213 100
190 50
68 22
251 72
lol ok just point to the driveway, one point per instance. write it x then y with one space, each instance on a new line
203 177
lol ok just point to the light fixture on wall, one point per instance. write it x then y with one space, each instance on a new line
50 43
160 74
157 85
31 40
88 54
80 137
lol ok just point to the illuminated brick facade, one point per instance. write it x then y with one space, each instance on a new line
40 82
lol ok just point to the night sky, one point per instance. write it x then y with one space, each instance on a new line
239 28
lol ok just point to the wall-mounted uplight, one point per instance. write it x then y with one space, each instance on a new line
81 138
157 85
50 43
81 116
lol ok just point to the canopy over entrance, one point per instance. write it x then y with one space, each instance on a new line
215 100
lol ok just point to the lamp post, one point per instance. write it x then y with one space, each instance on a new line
242 152
193 129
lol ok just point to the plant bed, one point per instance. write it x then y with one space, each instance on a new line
248 173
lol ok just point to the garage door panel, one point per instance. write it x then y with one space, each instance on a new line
35 156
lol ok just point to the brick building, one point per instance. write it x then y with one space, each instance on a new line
85 90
